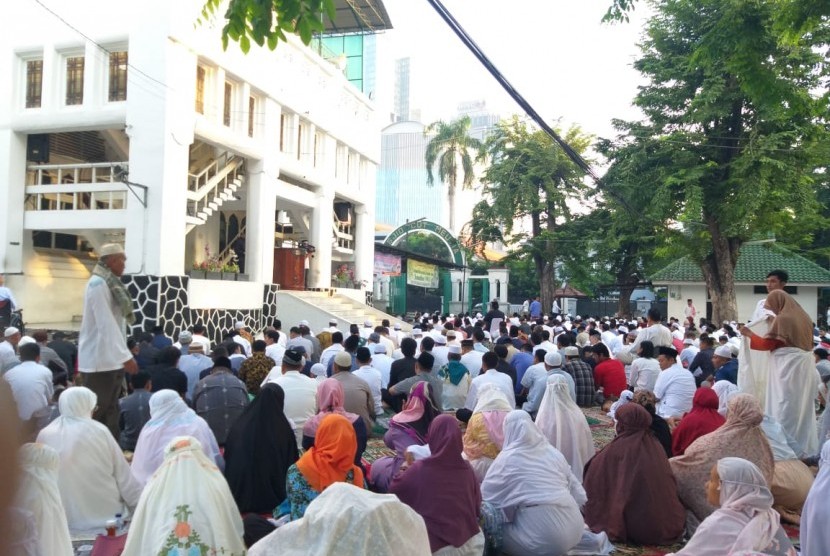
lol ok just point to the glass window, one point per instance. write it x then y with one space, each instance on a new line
34 83
251 115
299 141
282 132
75 80
200 89
118 76
353 45
226 114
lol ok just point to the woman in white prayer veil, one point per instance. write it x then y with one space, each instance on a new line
186 508
345 520
815 515
170 417
725 390
38 493
564 425
745 520
94 478
484 436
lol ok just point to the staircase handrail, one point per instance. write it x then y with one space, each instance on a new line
197 200
224 255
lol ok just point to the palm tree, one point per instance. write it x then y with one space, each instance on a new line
450 146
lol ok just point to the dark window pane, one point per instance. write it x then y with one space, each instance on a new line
118 76
75 80
200 89
34 83
226 115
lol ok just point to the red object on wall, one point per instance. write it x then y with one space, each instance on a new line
289 268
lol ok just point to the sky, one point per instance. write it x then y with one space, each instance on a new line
570 67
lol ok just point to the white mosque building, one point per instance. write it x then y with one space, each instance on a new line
126 121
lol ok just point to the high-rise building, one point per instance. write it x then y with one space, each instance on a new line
403 194
401 108
482 122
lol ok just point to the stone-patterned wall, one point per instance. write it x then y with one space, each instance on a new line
162 300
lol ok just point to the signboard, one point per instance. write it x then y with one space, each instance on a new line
421 274
387 265
444 234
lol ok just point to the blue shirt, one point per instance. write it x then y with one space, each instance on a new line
536 309
729 371
520 362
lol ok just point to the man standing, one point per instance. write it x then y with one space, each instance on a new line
690 312
753 365
103 356
536 309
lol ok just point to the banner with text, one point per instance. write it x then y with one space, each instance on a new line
387 265
421 274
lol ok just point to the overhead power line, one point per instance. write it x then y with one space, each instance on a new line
570 152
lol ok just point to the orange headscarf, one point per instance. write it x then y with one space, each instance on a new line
332 455
792 325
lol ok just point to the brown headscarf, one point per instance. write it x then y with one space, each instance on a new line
741 436
632 495
792 324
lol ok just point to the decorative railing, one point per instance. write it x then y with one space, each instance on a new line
343 235
87 186
210 183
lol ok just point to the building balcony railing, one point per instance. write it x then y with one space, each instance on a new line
70 187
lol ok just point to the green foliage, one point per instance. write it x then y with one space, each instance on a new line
426 244
453 150
268 21
735 139
528 185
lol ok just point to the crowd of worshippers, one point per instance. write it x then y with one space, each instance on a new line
258 442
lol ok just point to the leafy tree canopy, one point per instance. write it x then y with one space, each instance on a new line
268 21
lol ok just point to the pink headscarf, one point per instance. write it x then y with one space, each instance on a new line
330 397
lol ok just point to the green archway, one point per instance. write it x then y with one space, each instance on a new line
453 247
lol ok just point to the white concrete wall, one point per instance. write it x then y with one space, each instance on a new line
807 297
51 288
223 294
679 293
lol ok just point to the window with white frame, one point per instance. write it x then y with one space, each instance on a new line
201 76
34 82
74 80
117 76
252 115
227 106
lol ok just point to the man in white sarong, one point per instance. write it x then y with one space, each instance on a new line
753 365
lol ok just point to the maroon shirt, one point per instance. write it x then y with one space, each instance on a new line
610 374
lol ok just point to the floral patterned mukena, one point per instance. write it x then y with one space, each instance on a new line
184 541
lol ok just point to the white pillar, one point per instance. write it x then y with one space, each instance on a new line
262 200
321 239
364 244
12 198
503 276
160 127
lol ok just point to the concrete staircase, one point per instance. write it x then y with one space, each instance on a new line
317 307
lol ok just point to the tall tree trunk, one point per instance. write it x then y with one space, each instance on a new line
627 280
451 202
719 273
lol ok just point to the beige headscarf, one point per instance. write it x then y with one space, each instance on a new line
792 325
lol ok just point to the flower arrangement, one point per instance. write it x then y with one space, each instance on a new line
211 263
343 273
